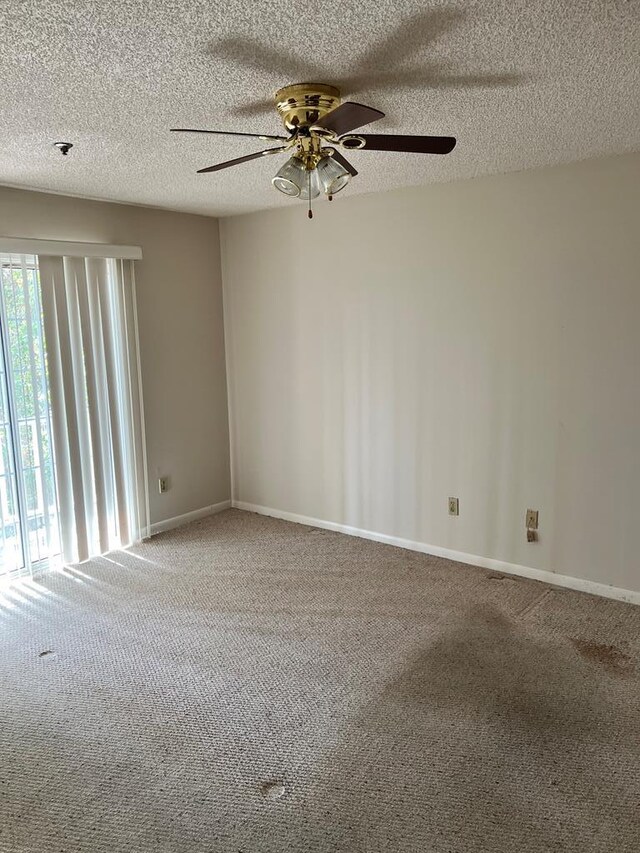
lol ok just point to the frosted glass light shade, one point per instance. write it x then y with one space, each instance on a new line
311 184
291 177
333 176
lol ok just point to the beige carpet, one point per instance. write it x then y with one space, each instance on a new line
252 686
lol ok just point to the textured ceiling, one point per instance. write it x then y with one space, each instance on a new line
520 83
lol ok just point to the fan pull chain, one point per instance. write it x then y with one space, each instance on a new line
310 214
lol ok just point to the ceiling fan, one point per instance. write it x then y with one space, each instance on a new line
317 124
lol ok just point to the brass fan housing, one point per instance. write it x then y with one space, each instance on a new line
303 104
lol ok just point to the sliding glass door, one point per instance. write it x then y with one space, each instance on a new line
29 530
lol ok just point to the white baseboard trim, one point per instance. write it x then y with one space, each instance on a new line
566 581
179 520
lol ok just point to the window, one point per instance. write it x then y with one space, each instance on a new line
29 529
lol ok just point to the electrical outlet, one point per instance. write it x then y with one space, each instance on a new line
532 519
163 485
454 506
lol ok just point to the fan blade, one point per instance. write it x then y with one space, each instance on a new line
347 117
266 136
408 144
244 159
337 156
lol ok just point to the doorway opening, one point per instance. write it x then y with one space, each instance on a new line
29 525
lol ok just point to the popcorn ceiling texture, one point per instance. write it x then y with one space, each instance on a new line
251 685
521 84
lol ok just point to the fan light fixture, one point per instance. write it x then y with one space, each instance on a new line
306 182
318 124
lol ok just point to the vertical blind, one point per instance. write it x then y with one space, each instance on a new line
90 324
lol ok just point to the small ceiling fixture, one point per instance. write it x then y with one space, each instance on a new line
317 122
63 147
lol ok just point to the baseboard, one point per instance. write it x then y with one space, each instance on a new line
179 520
566 581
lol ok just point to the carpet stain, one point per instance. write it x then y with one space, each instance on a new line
273 789
46 652
612 658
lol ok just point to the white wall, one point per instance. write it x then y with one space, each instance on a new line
181 332
478 339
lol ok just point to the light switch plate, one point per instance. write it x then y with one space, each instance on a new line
532 519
